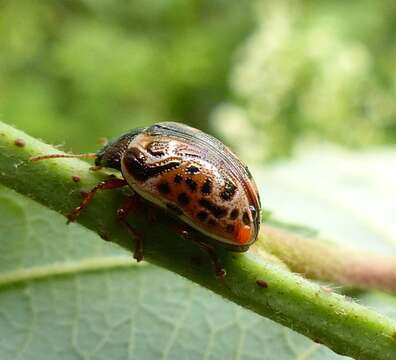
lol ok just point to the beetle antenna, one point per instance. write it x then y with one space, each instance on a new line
55 156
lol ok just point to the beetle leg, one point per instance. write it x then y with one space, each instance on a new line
88 196
130 205
218 268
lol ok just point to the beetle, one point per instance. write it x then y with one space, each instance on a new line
187 172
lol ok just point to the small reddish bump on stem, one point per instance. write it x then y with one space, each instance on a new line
263 284
20 142
76 178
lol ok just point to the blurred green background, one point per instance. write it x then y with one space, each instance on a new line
269 78
264 76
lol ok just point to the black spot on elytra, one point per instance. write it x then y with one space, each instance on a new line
263 284
173 208
215 210
245 218
183 199
228 191
135 162
178 179
163 188
192 169
206 188
234 214
202 215
20 142
191 184
230 228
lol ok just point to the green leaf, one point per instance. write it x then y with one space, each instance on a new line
66 294
346 196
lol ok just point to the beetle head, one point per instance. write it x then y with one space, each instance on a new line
110 155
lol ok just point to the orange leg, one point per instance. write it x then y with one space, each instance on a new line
218 268
130 205
109 184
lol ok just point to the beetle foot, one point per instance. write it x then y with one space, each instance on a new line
219 270
138 252
130 204
137 237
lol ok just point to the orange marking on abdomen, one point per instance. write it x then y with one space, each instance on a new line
243 234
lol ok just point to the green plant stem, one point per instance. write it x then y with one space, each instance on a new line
328 318
324 261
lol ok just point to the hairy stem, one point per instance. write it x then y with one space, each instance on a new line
323 261
251 281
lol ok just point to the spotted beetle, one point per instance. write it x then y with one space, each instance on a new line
189 173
